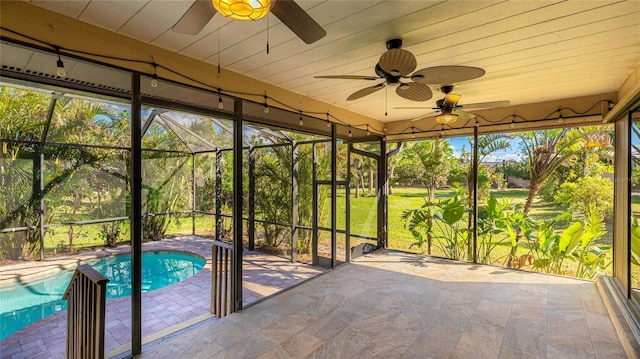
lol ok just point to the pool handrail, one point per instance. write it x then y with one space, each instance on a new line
86 298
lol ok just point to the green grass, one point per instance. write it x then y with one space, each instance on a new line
411 198
363 221
88 235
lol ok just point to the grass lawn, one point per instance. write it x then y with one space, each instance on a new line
88 235
411 198
363 221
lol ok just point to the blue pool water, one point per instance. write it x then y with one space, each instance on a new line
24 303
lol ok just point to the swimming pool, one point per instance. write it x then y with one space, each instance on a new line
24 303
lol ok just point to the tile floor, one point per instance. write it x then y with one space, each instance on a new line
263 275
398 305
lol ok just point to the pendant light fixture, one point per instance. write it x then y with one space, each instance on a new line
243 10
60 71
220 103
154 78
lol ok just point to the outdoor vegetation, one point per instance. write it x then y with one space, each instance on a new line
545 200
76 167
544 197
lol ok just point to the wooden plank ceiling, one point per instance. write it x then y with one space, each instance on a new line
532 51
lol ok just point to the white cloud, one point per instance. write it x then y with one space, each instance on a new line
511 157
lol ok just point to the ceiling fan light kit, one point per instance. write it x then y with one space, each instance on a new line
289 12
243 10
446 118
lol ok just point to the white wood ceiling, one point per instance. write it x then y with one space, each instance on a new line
532 51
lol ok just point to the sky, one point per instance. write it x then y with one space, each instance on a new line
511 154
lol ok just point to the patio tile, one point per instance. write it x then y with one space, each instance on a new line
435 342
346 344
527 335
489 335
410 306
288 326
300 345
164 307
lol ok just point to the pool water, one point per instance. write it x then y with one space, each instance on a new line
24 303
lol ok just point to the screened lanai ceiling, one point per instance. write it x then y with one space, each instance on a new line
532 51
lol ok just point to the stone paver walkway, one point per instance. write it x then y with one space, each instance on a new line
263 275
398 305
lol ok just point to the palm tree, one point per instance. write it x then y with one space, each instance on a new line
487 145
435 157
546 151
75 121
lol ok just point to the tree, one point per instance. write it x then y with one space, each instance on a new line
487 145
546 150
24 115
435 157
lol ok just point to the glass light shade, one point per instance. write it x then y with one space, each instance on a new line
243 10
60 71
446 117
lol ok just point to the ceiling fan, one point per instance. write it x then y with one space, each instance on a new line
290 13
448 110
395 67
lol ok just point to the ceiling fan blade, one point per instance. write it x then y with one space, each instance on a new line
446 75
196 18
425 116
414 108
450 100
365 91
414 91
298 21
462 114
479 105
398 62
347 77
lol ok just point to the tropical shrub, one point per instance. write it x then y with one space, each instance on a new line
498 222
577 243
442 225
110 232
587 194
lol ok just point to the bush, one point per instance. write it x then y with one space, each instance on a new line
590 192
110 232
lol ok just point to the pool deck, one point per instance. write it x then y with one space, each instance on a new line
163 310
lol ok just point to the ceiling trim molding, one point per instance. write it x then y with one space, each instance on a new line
628 97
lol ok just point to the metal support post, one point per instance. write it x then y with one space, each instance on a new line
334 217
193 188
218 196
41 194
236 262
294 202
382 195
314 205
136 216
347 209
474 254
252 199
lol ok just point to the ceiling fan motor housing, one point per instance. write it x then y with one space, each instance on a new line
390 79
446 89
394 44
